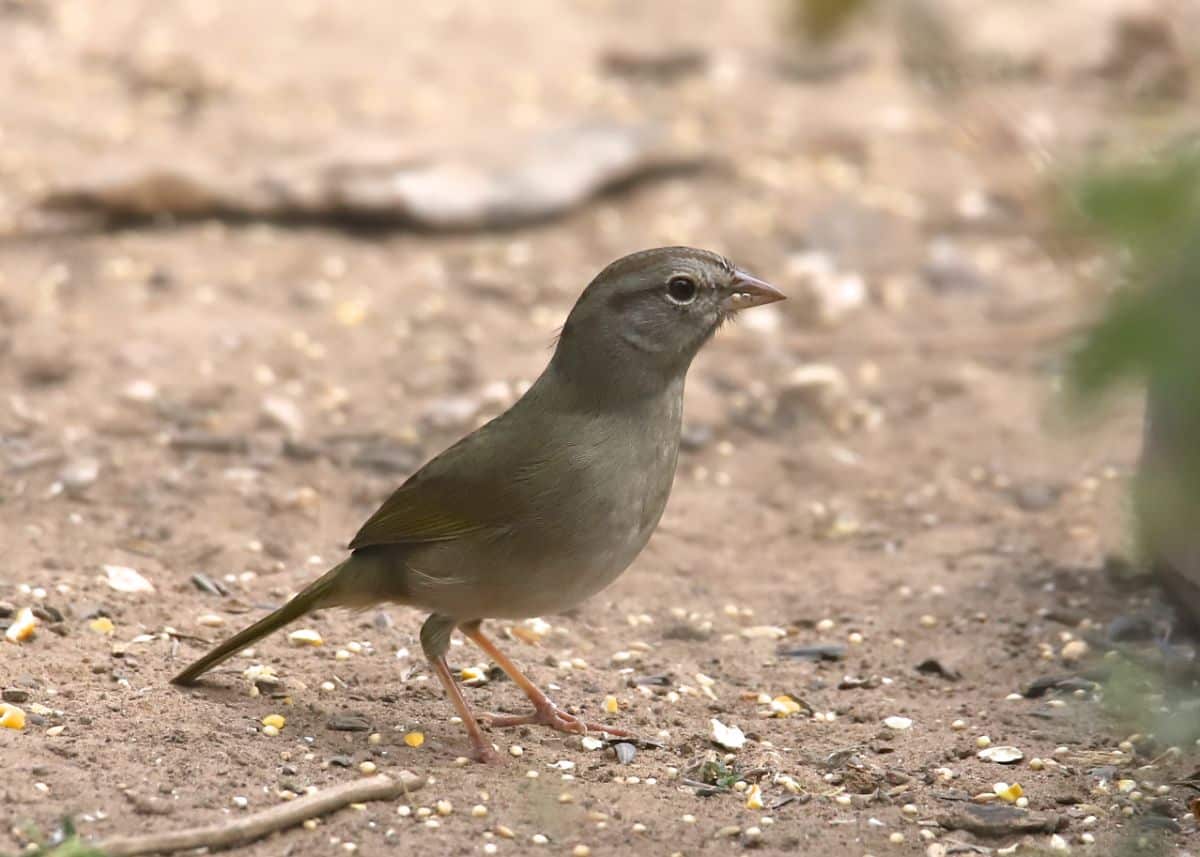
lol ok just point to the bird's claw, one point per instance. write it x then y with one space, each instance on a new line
556 719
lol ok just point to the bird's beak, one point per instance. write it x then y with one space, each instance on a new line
745 291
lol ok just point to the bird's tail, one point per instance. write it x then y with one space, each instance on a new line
313 596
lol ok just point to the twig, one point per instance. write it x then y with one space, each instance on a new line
251 827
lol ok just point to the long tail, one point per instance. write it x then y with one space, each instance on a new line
309 599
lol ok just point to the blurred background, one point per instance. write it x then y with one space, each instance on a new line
259 260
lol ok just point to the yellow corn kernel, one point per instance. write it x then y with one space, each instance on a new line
611 705
414 739
276 720
22 629
11 717
102 625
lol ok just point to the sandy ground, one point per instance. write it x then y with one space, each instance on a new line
927 502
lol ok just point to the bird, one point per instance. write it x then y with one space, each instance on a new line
547 504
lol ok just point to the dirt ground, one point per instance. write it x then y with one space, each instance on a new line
233 399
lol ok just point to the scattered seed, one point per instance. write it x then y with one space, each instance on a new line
611 705
444 807
276 720
896 838
506 832
271 731
414 739
754 798
1003 755
983 742
1008 793
958 725
539 839
479 810
516 750
1074 651
11 717
305 637
23 627
368 768
898 724
102 625
581 851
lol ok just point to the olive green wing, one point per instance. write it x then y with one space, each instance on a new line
413 515
461 492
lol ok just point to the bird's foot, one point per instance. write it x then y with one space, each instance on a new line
557 719
485 754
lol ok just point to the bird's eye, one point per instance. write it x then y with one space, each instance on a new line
681 290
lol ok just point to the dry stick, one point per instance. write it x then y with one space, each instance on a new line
251 827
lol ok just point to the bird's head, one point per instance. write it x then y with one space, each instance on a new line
645 316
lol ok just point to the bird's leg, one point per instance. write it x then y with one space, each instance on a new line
435 640
545 712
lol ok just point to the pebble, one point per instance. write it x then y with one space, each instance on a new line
79 474
898 724
350 723
125 579
729 737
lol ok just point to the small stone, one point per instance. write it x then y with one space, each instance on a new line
125 579
282 412
79 474
349 723
729 737
898 724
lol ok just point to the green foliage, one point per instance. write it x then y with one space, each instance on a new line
1151 213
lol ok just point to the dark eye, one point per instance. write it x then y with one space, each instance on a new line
681 290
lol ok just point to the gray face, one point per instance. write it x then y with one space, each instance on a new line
649 313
